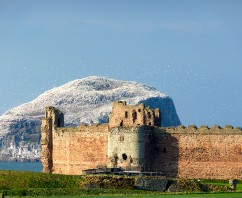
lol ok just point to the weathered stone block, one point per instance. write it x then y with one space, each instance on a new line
151 183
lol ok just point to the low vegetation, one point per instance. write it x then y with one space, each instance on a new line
16 183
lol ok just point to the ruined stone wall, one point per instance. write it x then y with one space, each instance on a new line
46 143
133 115
53 118
198 153
76 149
175 152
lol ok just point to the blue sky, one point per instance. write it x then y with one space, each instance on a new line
190 50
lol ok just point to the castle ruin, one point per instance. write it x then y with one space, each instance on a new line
133 139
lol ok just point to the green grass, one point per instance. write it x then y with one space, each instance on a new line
239 187
214 195
169 196
222 183
24 180
18 183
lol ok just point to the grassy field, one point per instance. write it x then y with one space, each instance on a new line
215 195
238 187
223 183
17 183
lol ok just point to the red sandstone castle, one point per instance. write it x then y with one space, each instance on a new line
133 138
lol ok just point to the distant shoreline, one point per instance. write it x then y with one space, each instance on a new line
21 166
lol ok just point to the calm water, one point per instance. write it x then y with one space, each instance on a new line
22 166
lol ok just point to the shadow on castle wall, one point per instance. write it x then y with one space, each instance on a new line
161 151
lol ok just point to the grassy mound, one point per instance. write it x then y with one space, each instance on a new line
185 185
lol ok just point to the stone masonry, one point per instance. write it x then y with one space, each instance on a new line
133 139
53 119
129 115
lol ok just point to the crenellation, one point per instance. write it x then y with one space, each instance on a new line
180 127
192 129
216 127
204 127
228 127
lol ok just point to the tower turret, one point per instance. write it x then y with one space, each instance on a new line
53 118
124 115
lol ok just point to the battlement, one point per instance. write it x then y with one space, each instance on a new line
193 129
90 129
124 115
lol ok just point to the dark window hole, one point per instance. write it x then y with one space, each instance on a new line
126 114
124 156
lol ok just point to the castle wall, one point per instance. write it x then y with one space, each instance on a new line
198 153
179 152
76 149
175 152
161 152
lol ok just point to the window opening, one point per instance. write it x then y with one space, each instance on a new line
124 156
126 114
58 122
121 123
134 116
121 138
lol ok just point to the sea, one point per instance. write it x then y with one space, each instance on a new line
21 166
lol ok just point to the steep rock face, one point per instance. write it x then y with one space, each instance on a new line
88 100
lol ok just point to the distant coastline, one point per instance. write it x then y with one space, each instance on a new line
21 166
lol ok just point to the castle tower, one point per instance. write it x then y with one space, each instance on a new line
53 118
127 134
126 147
133 115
